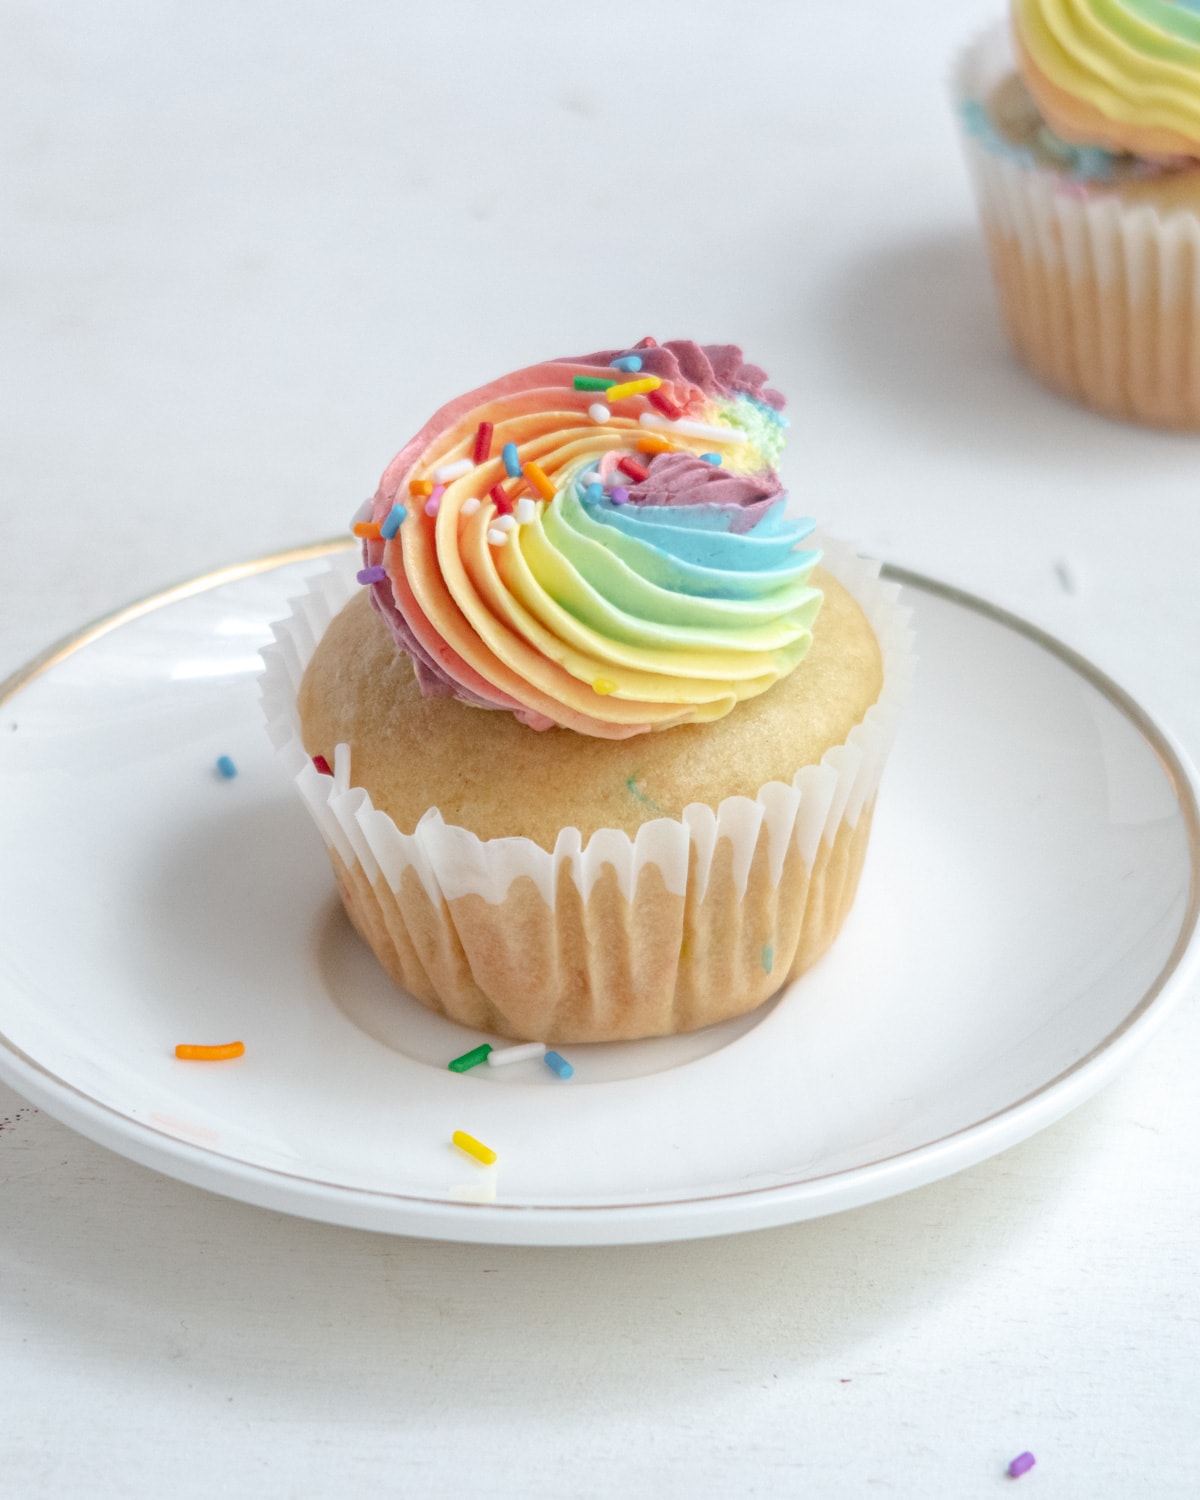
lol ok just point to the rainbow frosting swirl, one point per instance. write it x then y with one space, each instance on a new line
598 543
1122 74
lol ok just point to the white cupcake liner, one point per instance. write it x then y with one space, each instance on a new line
1100 295
452 862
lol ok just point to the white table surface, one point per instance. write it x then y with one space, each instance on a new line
244 251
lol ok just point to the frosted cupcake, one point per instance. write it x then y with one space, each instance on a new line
603 728
1083 135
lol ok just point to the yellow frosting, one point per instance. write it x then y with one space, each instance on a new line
1123 74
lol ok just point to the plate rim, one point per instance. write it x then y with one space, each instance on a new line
657 1220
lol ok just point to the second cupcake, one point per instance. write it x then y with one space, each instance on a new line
1082 129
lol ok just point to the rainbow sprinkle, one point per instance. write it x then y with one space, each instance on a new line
470 1059
368 530
322 765
634 388
474 1148
537 478
629 363
483 442
558 1064
188 1052
593 382
512 464
226 767
501 501
391 525
419 488
371 575
1021 1465
634 469
599 413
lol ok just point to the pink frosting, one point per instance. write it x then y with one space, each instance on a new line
716 369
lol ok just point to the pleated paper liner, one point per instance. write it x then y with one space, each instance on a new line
691 922
1100 296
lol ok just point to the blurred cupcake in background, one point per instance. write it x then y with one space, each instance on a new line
1081 124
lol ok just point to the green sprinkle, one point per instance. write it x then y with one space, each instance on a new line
471 1059
593 382
634 790
768 960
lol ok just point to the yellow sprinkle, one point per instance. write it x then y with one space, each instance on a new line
603 686
655 445
536 476
632 388
474 1148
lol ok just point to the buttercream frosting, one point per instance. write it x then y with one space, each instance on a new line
637 570
1120 74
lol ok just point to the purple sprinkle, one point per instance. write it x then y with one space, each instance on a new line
1021 1465
619 495
371 575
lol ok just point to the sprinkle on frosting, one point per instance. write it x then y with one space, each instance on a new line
592 567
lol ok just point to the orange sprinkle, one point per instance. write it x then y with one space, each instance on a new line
537 478
420 488
655 445
371 528
190 1053
632 388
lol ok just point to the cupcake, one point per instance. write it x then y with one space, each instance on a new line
595 741
1082 128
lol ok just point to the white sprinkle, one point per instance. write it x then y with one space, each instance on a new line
526 510
591 477
447 472
504 523
693 429
363 513
497 538
469 507
599 412
519 1053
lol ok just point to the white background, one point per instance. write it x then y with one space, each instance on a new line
245 250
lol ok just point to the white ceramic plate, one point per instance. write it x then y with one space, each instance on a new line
1027 914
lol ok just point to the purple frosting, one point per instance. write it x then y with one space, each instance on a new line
684 479
717 369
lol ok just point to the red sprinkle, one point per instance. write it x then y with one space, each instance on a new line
483 442
664 404
631 467
322 765
647 343
503 503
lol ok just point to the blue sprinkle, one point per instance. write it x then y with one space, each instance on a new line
711 458
226 767
371 575
559 1065
512 464
627 362
595 493
392 525
768 957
